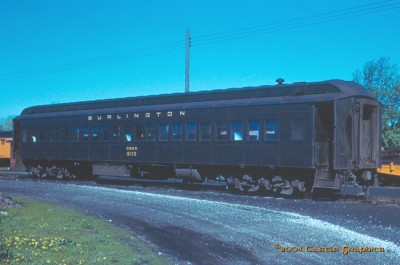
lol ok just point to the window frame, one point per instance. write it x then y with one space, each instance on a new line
236 133
96 130
65 137
189 132
139 134
257 135
151 132
105 133
276 131
295 135
179 133
162 133
76 134
115 133
127 132
205 125
219 131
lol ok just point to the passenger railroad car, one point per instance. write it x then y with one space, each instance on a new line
284 138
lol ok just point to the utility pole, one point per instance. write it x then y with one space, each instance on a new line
187 61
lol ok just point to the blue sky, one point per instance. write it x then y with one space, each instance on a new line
63 51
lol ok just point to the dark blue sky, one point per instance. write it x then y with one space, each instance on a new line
62 51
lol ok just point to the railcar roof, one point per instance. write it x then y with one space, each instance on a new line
325 90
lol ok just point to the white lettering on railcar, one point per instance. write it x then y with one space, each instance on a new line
145 115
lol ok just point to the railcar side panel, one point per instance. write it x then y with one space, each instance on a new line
283 139
201 152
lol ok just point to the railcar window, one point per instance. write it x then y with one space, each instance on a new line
32 138
95 133
85 134
177 132
65 134
236 131
367 112
49 135
116 133
24 135
205 131
106 133
140 131
271 132
127 133
253 133
297 130
150 132
57 134
29 136
221 131
75 135
164 129
191 131
40 135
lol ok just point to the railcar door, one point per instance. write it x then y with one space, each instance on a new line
346 130
323 134
323 146
369 140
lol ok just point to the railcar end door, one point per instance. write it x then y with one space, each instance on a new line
369 144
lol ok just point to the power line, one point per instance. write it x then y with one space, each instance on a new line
297 23
208 39
94 62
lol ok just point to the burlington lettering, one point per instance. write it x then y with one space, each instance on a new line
145 115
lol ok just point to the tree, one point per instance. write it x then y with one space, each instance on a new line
7 123
383 79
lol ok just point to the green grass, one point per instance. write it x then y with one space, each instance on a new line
40 233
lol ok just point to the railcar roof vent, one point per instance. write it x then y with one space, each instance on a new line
280 81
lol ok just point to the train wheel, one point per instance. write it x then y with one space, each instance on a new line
35 171
281 186
52 172
288 189
247 185
231 184
62 173
300 189
244 185
265 185
39 171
